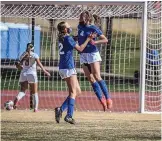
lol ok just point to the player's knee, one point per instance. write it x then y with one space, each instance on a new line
78 91
23 89
91 79
73 94
97 77
33 91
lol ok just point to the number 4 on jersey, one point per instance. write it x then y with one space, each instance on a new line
82 33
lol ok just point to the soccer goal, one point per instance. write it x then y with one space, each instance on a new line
131 60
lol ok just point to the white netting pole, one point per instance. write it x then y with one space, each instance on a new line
143 58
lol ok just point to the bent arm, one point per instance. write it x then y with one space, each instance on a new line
40 64
18 65
24 56
102 40
82 47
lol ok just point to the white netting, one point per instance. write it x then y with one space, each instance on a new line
121 58
66 12
154 58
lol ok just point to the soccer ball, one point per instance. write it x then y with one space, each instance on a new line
9 105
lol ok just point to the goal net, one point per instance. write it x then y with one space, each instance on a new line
121 23
153 87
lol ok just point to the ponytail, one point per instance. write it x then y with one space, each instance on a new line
61 27
97 20
61 37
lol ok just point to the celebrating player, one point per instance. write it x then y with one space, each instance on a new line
67 69
90 57
27 65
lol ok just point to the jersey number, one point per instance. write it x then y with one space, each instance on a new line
27 62
82 33
60 48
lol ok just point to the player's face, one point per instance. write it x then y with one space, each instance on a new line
84 19
67 25
68 28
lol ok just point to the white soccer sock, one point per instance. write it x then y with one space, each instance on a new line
20 95
35 100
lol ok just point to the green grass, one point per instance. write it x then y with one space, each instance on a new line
125 54
123 40
126 62
61 85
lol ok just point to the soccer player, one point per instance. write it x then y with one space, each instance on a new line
67 69
90 57
28 75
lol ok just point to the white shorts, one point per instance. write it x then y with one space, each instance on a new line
65 73
31 78
90 57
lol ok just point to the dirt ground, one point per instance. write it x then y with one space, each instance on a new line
24 125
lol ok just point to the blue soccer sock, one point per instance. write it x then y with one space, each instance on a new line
64 106
104 88
97 90
71 103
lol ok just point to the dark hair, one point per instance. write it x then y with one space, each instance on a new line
84 17
97 20
61 27
29 46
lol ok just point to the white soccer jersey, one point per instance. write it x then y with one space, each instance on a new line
29 65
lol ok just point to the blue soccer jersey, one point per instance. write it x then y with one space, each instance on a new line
66 53
83 33
153 57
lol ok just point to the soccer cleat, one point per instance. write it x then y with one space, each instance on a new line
103 102
109 103
15 107
69 120
58 114
35 110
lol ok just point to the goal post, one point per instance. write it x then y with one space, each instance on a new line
131 61
143 59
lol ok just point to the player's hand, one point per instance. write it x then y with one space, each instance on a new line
18 65
47 73
93 35
75 38
25 56
92 42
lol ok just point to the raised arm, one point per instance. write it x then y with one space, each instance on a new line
102 39
41 66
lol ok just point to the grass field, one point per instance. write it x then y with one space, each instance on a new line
91 126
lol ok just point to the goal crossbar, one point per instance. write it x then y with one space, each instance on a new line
70 10
133 2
